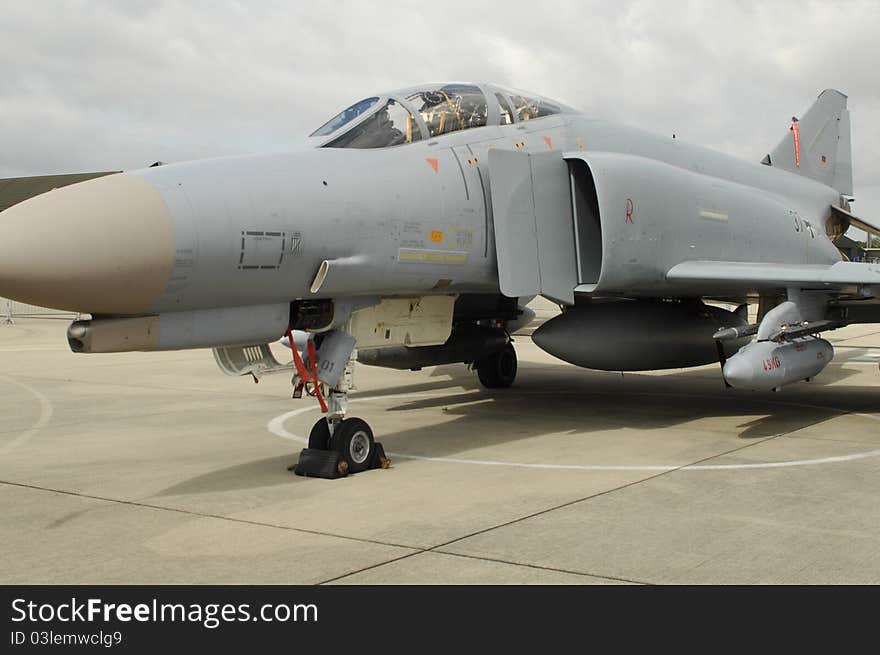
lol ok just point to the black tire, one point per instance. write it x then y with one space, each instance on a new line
319 437
498 370
353 440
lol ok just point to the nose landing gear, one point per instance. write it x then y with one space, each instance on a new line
337 445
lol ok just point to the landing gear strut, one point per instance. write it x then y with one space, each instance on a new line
337 445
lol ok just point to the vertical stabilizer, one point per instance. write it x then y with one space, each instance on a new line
818 144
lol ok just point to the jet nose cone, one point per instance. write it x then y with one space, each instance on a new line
104 246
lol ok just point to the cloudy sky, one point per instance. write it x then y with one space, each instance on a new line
97 85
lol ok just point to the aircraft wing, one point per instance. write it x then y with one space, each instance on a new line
16 189
768 275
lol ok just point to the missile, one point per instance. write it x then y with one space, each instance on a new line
735 333
768 365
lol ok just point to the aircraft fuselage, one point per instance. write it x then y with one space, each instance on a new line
418 217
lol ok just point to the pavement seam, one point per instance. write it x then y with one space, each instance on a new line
604 492
511 522
179 510
416 550
544 568
483 559
369 568
438 547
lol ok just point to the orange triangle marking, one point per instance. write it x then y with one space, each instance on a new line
549 141
435 163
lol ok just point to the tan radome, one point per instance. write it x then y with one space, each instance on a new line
104 246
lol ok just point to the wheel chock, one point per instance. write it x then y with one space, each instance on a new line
380 459
327 464
314 463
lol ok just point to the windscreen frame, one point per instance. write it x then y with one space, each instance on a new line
378 101
384 99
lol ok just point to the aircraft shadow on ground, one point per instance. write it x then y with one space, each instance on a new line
562 401
267 472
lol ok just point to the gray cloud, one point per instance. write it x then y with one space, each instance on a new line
104 85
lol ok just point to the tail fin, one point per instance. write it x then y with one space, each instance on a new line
818 145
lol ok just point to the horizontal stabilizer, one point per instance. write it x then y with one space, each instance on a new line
856 222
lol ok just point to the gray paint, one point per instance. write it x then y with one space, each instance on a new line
516 238
766 365
489 209
383 205
825 147
554 221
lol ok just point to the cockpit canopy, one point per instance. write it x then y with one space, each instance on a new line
430 111
345 117
450 108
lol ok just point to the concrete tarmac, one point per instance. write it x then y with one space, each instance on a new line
156 468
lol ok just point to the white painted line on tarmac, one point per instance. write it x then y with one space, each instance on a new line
41 422
276 427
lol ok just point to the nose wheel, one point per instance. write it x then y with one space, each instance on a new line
352 439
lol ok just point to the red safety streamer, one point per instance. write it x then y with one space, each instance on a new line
297 361
304 374
795 130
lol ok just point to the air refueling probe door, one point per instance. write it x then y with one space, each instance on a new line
534 228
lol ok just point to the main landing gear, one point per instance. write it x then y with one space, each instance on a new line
337 445
498 370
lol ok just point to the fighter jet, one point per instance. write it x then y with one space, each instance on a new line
412 228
